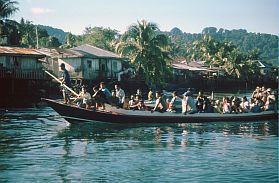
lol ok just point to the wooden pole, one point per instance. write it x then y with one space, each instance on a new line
68 88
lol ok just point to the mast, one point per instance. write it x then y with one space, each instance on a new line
37 37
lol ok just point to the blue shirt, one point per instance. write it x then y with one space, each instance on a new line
106 92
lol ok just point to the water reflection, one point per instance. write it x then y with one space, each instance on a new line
38 142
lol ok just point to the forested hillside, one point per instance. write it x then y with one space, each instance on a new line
58 33
266 44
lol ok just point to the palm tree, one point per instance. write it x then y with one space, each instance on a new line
147 50
8 28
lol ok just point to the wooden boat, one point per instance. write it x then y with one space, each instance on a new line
74 114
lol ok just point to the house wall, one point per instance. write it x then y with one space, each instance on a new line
91 68
3 61
73 65
24 63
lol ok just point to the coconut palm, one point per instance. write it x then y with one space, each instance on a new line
147 50
8 28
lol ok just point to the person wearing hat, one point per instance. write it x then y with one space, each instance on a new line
188 104
65 79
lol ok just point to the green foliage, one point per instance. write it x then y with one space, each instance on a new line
29 36
8 28
104 38
225 55
266 44
148 51
54 32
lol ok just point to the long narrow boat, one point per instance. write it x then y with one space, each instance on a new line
74 114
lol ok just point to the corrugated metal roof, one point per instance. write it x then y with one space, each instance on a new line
92 50
4 50
63 53
186 67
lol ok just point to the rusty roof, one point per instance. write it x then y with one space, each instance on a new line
5 50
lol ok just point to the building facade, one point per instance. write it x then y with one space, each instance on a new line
86 63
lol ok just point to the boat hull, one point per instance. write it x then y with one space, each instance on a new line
75 114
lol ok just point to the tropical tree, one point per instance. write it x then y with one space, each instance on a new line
8 28
104 38
148 51
226 56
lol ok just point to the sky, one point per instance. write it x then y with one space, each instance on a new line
191 16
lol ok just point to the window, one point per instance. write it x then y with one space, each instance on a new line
89 64
114 66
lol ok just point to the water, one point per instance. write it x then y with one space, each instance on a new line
38 146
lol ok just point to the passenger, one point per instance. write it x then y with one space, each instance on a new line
218 107
251 102
120 94
188 104
141 106
160 105
133 104
207 107
139 92
98 98
171 104
83 99
210 106
114 100
150 95
106 92
269 105
256 107
256 93
244 105
235 105
200 102
65 79
226 105
131 101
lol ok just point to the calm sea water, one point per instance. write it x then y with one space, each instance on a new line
38 146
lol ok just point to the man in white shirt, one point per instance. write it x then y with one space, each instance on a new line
188 104
120 94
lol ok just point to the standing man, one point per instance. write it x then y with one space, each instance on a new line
120 94
65 79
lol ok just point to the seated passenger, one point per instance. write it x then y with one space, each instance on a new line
244 105
226 107
269 105
114 100
200 102
171 104
83 99
120 94
256 107
141 106
105 91
133 103
160 105
188 104
98 98
217 107
150 95
235 105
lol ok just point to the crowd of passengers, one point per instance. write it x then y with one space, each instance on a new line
262 99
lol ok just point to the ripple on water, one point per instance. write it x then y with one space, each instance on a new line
37 145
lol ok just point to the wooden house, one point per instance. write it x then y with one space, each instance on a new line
86 62
21 63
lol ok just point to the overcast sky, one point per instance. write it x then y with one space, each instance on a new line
191 16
